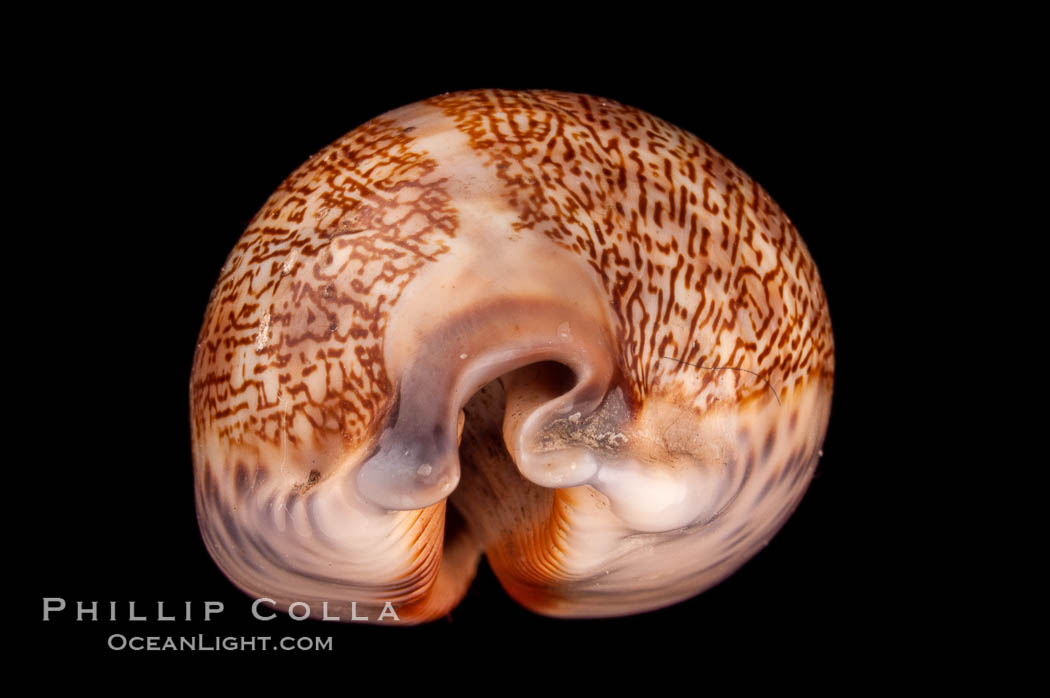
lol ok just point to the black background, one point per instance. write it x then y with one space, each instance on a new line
153 167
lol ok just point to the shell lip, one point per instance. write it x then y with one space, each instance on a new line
416 461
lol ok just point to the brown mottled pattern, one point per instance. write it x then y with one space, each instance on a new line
308 287
698 262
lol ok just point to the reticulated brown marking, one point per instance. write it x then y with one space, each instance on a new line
620 186
319 265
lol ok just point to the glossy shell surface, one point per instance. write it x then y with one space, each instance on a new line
544 327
